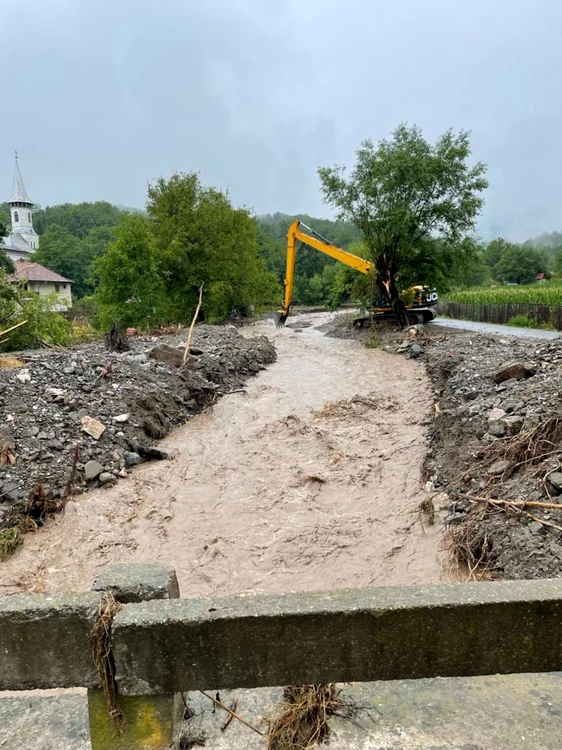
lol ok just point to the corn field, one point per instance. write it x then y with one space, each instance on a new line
549 294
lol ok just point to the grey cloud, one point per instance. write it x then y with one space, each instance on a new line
101 96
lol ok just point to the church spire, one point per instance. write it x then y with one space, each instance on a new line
19 194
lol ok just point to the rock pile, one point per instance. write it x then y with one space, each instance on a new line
497 435
113 405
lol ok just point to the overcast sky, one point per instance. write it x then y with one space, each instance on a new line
102 96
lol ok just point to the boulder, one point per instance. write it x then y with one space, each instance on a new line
414 351
92 469
107 478
554 482
514 370
497 429
168 355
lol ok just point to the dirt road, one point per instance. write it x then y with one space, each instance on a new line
309 479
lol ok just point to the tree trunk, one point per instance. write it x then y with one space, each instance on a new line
387 283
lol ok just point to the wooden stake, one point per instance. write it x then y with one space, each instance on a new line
13 328
192 326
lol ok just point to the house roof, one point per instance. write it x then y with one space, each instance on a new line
540 276
19 194
25 269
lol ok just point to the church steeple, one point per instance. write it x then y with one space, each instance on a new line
21 204
19 194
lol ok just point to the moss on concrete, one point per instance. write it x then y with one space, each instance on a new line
149 722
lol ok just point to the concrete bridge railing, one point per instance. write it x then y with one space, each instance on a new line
163 645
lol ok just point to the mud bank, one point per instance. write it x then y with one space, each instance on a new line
309 479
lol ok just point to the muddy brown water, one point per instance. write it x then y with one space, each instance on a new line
309 479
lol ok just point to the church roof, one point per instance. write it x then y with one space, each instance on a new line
18 242
19 194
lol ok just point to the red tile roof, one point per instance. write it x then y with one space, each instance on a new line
36 272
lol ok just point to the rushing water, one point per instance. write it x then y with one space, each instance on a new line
309 479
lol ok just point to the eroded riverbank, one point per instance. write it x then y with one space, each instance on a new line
308 479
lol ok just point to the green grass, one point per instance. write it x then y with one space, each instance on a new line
547 293
10 540
524 321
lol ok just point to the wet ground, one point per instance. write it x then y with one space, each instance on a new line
307 479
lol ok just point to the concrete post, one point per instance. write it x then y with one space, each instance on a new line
150 721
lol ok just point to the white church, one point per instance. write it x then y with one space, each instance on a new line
23 241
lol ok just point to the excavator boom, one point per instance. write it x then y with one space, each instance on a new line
312 239
424 298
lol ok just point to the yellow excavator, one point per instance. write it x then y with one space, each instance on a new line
419 309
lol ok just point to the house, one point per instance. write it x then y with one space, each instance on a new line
540 277
43 281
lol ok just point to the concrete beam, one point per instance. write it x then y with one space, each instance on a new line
138 582
357 635
45 641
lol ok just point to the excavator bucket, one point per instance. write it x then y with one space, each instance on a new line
280 318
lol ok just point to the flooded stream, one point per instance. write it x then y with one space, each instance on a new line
308 479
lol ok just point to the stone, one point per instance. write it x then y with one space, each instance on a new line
107 477
132 459
120 418
42 435
55 392
498 467
415 351
92 469
516 370
513 424
537 528
495 415
497 429
168 355
555 482
23 376
55 445
92 427
33 431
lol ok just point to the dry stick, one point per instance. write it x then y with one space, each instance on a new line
192 326
540 520
519 507
229 711
226 722
519 504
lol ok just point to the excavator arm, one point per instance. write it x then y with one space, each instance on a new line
312 239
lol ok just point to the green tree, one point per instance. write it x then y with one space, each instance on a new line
202 239
519 265
77 218
64 253
495 249
558 262
403 194
130 287
60 251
